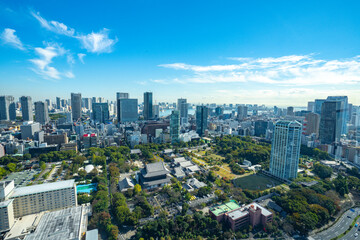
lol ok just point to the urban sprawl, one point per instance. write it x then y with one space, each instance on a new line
89 168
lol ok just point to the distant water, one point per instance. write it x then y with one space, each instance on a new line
167 112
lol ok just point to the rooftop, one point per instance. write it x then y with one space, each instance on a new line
224 208
46 187
238 213
59 225
92 235
24 225
155 169
5 203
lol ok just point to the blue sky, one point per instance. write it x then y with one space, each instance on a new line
264 52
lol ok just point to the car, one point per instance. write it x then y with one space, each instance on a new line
356 234
352 210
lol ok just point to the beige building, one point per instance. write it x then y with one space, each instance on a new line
6 215
44 197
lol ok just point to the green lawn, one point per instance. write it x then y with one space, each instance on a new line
255 182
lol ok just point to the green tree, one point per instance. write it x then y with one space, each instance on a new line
11 167
137 189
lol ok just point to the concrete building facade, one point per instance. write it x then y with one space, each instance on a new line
285 149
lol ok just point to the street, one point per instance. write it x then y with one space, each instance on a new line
339 227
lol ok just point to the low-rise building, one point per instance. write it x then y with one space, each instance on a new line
154 175
237 217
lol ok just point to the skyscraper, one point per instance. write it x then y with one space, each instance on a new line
7 108
242 112
58 103
317 105
260 127
182 107
330 122
26 108
100 112
48 101
290 111
201 119
41 112
87 103
148 106
311 106
156 111
121 95
219 111
312 123
174 126
127 110
344 111
285 149
76 105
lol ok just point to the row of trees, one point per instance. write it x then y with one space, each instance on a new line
308 209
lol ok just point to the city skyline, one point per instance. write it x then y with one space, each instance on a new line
253 53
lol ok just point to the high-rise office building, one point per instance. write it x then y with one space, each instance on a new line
201 119
148 106
76 106
311 106
290 111
26 108
260 127
7 108
127 110
87 103
28 130
219 111
122 95
312 123
285 149
317 105
48 101
58 103
344 111
156 111
331 122
100 112
242 112
182 107
174 126
41 112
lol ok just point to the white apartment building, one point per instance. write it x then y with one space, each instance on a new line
44 197
6 215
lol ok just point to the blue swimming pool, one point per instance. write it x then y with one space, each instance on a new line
86 188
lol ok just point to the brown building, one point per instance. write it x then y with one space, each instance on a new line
56 139
312 123
238 217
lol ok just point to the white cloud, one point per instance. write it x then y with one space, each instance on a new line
69 74
81 57
54 26
160 81
293 70
42 64
97 42
8 36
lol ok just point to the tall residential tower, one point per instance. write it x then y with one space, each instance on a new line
285 149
